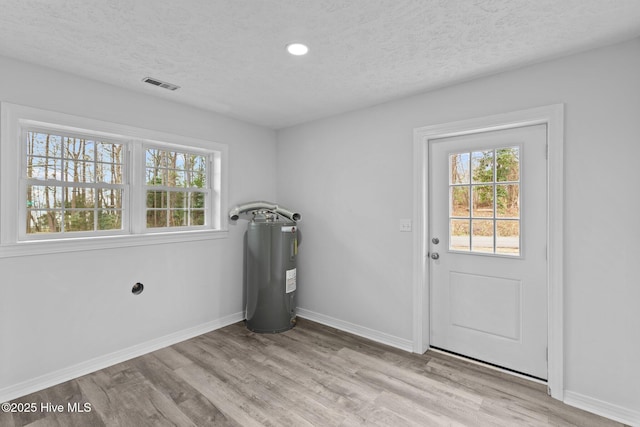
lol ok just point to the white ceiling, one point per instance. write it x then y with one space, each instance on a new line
229 56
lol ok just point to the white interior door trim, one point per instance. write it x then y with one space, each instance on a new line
553 117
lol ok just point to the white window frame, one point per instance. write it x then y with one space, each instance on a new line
14 241
214 159
23 181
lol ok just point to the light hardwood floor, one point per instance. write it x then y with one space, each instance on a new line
311 375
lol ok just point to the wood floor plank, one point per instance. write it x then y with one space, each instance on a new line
188 399
6 419
171 357
243 409
413 413
312 375
75 413
268 379
204 413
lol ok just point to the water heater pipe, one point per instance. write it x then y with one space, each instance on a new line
234 214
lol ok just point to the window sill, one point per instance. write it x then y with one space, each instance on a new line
44 247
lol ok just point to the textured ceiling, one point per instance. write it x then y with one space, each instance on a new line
228 56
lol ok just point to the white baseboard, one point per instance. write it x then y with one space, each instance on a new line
617 413
101 362
373 335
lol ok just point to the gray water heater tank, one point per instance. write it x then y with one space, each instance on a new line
271 252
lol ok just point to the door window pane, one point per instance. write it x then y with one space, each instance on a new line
482 236
508 237
459 201
482 163
484 201
459 235
508 203
508 164
459 168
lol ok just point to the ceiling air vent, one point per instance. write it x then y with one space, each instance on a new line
160 83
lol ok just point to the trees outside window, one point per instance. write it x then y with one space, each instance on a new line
73 184
176 188
484 192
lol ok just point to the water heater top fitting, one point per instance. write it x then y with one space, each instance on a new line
234 214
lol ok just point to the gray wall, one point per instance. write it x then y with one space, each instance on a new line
59 312
351 177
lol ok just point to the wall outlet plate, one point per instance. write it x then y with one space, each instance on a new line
405 225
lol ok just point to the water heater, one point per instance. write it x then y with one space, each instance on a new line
271 272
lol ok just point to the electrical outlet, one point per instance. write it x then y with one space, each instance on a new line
405 225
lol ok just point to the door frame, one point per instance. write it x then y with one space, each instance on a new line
553 117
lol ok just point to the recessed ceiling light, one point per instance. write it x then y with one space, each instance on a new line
297 49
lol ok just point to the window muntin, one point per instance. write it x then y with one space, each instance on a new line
15 241
484 201
176 187
73 183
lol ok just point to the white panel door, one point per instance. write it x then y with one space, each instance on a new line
488 262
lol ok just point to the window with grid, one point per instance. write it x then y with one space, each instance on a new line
73 183
176 188
484 201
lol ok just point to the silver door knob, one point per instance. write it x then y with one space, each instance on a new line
435 255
